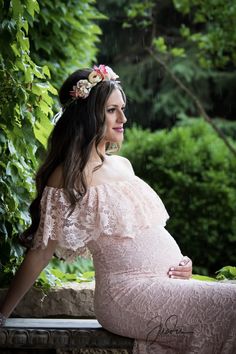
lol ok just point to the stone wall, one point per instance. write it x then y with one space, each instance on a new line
73 300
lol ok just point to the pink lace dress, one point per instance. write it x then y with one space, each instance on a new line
123 225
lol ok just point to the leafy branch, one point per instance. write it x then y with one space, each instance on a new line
194 98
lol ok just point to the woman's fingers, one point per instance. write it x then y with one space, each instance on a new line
183 270
180 273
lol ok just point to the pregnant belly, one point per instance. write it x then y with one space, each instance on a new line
168 252
148 254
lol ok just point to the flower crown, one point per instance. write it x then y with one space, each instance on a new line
83 87
100 73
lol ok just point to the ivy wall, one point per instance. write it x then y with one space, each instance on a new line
40 43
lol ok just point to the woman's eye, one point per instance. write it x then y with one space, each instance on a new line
111 110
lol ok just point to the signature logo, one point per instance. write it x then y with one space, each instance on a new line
166 327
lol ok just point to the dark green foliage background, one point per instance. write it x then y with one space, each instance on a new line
195 175
205 31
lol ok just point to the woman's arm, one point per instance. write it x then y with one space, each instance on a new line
34 262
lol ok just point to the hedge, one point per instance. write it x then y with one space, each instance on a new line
195 175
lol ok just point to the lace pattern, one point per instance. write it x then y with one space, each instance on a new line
117 209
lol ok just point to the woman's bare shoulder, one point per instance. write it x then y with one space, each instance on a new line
122 160
56 178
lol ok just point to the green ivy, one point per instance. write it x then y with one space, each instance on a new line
25 108
36 39
71 32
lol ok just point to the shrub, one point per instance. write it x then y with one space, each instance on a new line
195 175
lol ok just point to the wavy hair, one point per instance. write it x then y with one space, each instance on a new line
80 127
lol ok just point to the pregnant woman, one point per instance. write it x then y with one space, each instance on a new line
90 199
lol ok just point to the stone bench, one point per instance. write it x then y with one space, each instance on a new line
46 323
60 336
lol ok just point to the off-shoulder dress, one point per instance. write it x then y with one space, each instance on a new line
123 225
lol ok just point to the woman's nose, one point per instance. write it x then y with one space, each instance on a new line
122 117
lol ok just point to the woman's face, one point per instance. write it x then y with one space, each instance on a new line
115 117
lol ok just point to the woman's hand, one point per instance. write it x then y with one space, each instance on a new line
183 270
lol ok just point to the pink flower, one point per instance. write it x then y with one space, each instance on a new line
105 72
101 70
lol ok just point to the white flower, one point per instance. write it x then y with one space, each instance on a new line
111 75
83 83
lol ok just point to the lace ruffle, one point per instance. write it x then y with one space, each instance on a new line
117 209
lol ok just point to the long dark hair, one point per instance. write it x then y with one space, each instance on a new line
70 144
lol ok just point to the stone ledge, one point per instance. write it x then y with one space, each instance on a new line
61 336
72 300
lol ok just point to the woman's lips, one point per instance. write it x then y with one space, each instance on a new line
119 130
